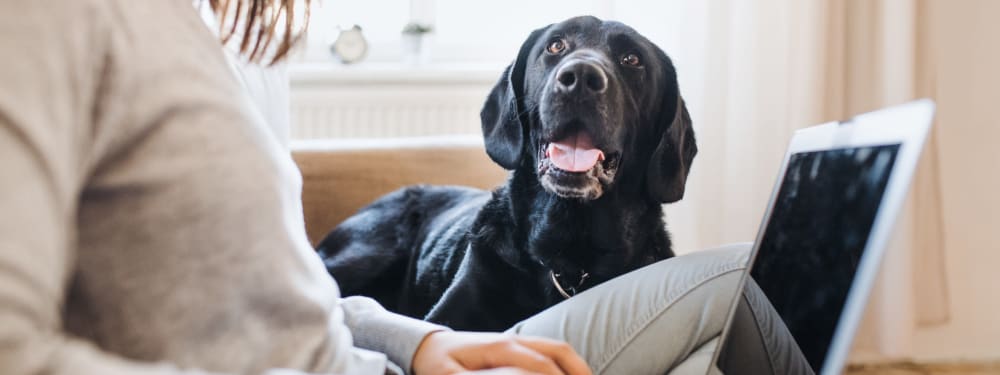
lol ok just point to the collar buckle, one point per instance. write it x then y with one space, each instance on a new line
571 290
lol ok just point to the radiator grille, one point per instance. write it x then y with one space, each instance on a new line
386 110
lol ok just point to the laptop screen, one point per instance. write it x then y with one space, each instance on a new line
811 248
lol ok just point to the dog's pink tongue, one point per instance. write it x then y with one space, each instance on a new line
575 153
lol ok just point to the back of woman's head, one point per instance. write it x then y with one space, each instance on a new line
264 30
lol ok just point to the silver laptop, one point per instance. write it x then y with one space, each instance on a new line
818 250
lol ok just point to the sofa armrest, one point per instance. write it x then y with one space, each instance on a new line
342 176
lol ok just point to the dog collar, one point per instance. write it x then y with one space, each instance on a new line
573 289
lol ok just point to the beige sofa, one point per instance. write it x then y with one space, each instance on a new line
339 177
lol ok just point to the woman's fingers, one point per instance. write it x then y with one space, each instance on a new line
450 366
561 352
507 352
445 352
501 371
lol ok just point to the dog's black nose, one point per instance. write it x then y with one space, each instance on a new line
581 76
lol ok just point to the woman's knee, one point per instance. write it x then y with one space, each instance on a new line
675 307
671 278
664 311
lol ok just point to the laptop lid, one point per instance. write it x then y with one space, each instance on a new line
830 216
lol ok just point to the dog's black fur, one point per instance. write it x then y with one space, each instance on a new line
474 260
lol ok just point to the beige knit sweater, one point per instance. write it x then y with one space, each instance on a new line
149 223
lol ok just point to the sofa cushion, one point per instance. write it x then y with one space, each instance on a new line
340 177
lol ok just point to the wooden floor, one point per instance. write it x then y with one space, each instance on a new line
925 369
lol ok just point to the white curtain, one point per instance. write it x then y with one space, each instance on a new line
757 77
752 73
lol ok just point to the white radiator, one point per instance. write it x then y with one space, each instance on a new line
379 102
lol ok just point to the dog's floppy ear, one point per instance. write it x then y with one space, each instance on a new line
504 117
668 168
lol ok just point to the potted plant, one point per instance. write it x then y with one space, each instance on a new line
414 48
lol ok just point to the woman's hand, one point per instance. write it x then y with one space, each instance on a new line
447 353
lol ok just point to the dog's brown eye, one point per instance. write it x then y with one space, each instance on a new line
631 60
556 46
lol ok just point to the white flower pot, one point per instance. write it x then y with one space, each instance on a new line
415 49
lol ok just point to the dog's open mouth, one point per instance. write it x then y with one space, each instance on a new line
573 167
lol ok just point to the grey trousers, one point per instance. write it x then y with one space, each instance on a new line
666 318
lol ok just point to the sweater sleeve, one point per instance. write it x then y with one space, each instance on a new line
49 78
377 329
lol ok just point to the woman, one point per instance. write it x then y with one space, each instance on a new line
151 224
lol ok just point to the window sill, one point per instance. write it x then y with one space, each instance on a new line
319 74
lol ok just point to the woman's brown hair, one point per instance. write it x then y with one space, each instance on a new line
256 24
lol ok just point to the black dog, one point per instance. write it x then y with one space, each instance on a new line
590 120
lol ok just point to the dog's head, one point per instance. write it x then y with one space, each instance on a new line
591 105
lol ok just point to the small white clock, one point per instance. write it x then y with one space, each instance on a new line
350 46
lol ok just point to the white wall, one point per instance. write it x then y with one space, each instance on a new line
464 31
477 31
